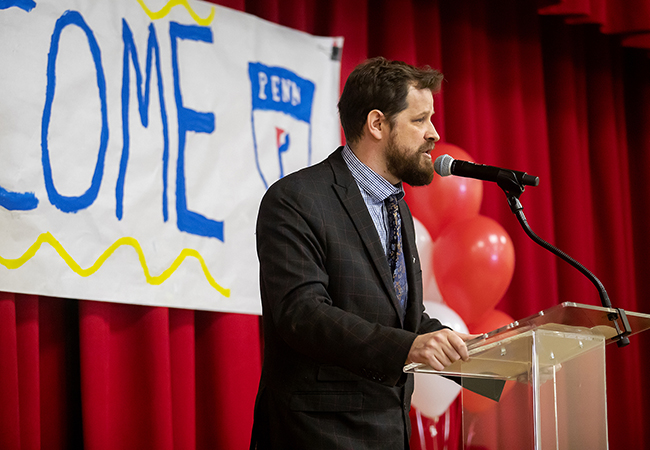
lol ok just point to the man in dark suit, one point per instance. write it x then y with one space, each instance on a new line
340 276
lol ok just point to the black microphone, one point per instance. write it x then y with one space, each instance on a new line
445 165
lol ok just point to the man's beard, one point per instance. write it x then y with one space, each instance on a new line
409 168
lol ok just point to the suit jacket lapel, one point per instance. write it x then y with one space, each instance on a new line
348 192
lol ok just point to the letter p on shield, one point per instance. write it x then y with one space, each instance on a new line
280 120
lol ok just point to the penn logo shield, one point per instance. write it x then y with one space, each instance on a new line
280 120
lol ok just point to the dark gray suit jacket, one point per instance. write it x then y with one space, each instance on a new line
334 341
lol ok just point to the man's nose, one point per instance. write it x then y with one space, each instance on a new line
432 134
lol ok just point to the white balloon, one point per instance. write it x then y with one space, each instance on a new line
445 315
434 394
424 244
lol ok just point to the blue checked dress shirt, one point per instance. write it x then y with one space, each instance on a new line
377 192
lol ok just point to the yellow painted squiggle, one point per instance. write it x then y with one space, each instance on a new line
159 279
170 4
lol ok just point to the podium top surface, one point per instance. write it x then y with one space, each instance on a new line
574 315
570 329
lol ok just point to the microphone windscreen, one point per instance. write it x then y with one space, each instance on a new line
442 165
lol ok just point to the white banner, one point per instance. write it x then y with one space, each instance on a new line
137 138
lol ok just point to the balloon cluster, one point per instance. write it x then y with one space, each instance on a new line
467 264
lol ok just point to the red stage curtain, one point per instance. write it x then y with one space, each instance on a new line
549 87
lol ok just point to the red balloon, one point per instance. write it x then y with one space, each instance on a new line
446 199
490 321
473 262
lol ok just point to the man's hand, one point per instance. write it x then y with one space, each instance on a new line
440 348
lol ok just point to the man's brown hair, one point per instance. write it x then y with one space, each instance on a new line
383 85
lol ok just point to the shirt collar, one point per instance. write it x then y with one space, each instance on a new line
374 184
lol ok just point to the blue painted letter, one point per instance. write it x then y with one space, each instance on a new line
15 201
190 120
65 203
143 105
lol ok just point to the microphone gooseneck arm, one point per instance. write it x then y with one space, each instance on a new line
511 186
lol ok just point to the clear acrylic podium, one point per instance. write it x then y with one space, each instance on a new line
546 377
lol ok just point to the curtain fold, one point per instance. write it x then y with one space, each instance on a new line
495 110
548 87
637 95
9 376
125 365
566 111
623 18
592 190
28 380
228 368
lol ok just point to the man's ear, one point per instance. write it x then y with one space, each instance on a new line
376 124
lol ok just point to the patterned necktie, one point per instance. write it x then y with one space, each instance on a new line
396 251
